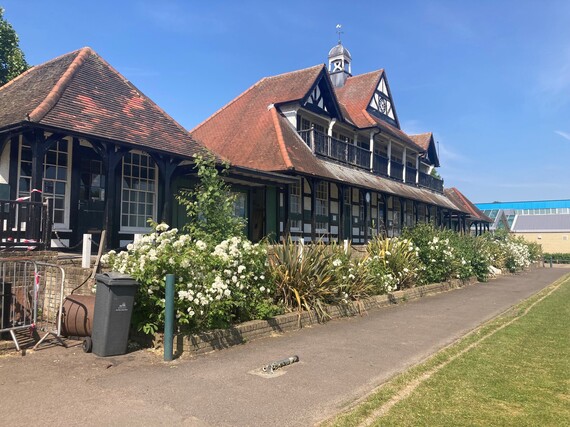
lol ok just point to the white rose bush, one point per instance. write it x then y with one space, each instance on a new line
216 286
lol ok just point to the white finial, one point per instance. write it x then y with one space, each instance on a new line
339 31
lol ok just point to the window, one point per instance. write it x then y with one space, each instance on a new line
240 204
322 199
55 178
322 205
138 191
295 198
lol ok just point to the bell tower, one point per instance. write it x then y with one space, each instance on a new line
339 62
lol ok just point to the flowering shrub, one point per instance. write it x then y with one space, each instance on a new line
511 252
393 263
215 285
439 262
352 275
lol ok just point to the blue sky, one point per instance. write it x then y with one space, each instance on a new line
491 79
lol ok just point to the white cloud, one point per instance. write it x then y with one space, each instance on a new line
564 135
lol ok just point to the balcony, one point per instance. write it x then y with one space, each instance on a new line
346 153
430 182
380 166
396 170
411 174
335 149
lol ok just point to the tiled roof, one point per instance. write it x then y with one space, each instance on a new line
464 204
422 139
355 96
249 131
80 92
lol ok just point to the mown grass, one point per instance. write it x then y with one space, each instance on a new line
515 374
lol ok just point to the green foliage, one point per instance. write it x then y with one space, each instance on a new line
216 286
394 259
12 60
558 258
304 276
210 205
437 256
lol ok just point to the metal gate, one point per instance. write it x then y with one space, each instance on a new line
31 299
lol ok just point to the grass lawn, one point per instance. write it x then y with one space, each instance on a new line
513 371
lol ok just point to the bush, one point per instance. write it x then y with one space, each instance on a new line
439 262
393 263
216 286
305 276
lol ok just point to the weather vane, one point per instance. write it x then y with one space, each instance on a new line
339 32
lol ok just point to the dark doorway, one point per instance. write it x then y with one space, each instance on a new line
257 217
91 194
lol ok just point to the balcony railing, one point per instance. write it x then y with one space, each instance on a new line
411 174
380 166
344 152
396 170
341 151
431 182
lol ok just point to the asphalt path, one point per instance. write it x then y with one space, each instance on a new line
340 362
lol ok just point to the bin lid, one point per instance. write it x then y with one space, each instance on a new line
114 278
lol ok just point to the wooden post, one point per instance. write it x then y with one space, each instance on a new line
313 183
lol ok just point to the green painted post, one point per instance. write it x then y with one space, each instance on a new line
169 318
550 261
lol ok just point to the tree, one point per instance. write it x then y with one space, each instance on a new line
210 204
12 60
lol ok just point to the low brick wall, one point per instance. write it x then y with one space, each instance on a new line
219 339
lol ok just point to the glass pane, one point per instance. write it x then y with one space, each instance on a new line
24 185
62 173
26 169
62 159
50 172
60 188
58 217
50 158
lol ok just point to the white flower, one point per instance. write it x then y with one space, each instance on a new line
337 262
162 227
262 289
241 269
201 245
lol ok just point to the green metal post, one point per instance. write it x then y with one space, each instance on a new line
169 318
550 261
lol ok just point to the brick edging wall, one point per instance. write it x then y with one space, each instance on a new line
206 342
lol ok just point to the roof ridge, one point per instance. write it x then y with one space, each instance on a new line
241 95
34 68
142 95
55 93
280 140
294 71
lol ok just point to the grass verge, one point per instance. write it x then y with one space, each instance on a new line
513 370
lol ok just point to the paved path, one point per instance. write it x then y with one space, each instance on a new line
340 362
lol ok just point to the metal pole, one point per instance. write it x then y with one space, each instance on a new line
169 318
